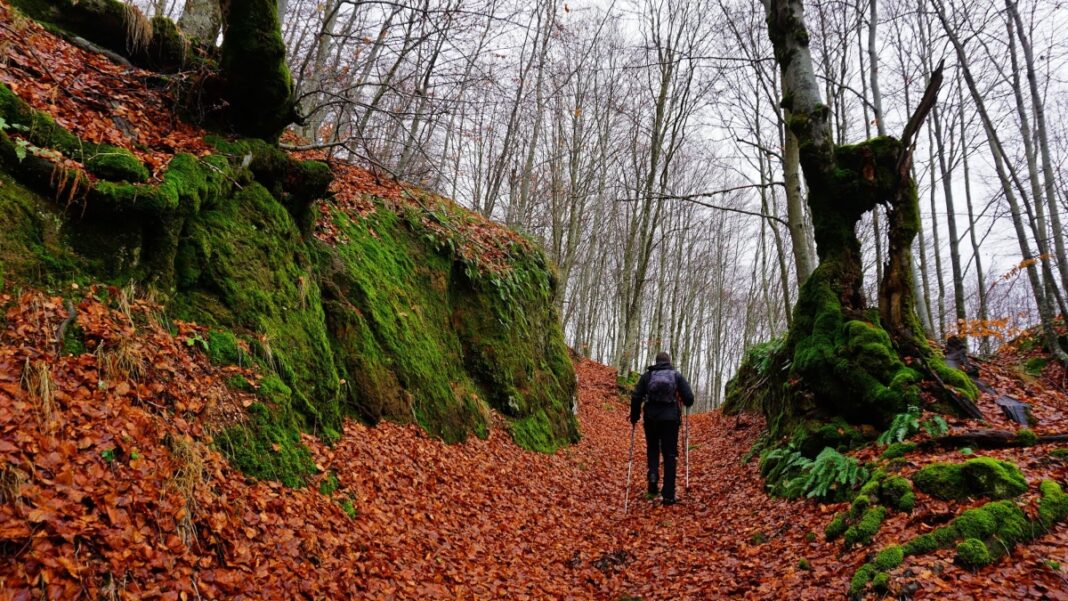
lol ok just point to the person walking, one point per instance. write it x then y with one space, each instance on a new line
663 391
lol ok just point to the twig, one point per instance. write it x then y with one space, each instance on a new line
61 331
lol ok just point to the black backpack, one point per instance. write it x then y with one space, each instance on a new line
662 387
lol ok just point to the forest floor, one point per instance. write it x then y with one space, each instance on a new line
109 490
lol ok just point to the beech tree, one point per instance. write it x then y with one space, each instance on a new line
838 359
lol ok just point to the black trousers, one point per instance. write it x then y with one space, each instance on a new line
662 438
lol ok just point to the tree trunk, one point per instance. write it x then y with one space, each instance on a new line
836 361
259 87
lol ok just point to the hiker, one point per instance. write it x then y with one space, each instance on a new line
663 390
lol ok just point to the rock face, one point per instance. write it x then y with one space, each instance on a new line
408 309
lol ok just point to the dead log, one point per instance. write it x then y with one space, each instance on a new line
991 439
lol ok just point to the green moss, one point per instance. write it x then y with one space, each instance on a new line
74 340
1026 437
812 436
866 527
348 507
1059 453
945 536
810 537
268 447
861 578
1053 505
973 553
329 484
223 348
954 378
859 506
979 477
896 492
239 382
535 433
976 523
881 582
836 527
1034 366
898 449
922 544
420 339
109 23
889 558
244 268
259 86
803 564
115 164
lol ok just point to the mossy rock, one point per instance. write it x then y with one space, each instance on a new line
1034 366
1026 437
1053 504
243 267
865 528
979 477
898 449
889 558
267 446
116 164
861 578
836 527
118 27
973 553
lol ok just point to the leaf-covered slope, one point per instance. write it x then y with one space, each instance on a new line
362 297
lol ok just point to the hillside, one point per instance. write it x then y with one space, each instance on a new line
352 296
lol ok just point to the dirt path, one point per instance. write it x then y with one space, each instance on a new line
486 520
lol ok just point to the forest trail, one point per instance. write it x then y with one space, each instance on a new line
557 529
112 493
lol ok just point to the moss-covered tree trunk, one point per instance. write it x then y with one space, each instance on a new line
842 358
258 84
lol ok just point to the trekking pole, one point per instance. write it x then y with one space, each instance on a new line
686 435
630 465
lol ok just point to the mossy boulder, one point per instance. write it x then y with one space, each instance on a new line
889 558
116 164
973 553
979 477
421 339
1053 504
115 26
390 323
865 528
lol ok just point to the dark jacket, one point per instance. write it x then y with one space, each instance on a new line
659 412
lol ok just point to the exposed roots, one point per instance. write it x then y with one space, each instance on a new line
138 30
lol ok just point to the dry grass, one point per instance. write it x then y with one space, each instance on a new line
189 472
121 360
38 383
11 481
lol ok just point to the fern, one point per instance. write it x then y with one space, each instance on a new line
831 471
901 427
782 468
936 426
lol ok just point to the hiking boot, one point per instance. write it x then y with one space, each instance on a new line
670 501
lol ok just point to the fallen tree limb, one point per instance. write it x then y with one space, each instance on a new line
992 439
